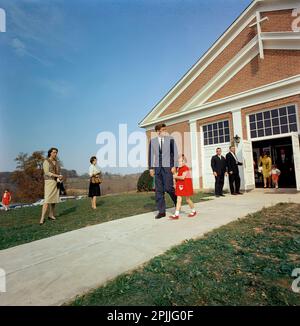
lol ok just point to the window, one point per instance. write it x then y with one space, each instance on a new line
273 122
216 133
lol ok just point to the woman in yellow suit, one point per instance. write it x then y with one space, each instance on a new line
266 163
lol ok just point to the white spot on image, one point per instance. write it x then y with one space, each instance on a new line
2 21
2 280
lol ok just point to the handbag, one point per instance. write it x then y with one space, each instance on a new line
96 179
62 190
60 186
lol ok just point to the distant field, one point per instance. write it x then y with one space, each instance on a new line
20 226
112 184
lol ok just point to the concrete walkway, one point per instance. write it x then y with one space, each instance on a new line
54 270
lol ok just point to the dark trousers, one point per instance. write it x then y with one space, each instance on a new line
285 178
234 182
164 183
219 184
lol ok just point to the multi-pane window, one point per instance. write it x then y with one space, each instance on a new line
273 122
216 133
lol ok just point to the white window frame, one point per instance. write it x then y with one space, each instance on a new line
203 147
272 136
211 123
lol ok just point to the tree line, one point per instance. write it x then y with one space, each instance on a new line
27 181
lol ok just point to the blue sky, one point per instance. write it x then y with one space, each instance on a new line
71 69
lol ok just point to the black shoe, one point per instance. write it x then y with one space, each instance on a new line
160 215
217 196
222 195
51 218
239 193
234 194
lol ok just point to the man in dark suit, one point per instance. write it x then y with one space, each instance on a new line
162 162
233 171
285 166
219 167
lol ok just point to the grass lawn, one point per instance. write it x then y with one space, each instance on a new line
247 262
22 225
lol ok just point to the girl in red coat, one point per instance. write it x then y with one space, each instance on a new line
6 199
184 188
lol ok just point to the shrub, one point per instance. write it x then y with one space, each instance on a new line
145 182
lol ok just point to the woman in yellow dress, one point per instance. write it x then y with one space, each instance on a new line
266 163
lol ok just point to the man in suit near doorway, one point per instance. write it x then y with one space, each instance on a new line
285 166
233 171
162 162
219 167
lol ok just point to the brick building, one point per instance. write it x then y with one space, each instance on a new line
244 90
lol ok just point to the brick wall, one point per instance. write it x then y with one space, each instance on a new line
277 65
279 21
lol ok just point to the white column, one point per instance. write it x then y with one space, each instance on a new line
237 123
194 139
238 130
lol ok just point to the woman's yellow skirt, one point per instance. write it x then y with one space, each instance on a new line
51 192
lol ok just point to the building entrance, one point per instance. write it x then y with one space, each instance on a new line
280 151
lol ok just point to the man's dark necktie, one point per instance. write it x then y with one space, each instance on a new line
160 152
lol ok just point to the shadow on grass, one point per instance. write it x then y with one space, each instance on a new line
68 211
